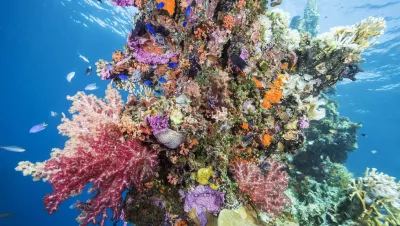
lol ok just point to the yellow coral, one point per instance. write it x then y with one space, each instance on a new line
169 6
204 174
368 30
176 117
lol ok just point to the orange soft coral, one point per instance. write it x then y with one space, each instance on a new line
258 83
278 82
275 94
266 140
229 22
169 6
272 96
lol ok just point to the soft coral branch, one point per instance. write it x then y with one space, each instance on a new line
96 153
265 190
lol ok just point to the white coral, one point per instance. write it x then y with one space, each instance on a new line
380 185
312 106
275 26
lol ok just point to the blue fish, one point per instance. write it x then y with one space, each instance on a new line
172 65
151 29
123 77
109 67
188 11
160 5
248 137
162 80
72 206
265 165
148 83
38 128
184 24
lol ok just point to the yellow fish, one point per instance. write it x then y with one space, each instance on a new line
333 131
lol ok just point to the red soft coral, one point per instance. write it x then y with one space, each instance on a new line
112 166
265 190
96 153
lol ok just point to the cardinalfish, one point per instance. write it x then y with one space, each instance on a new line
37 128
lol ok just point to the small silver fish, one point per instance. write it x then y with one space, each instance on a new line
38 128
91 87
72 206
13 148
83 58
4 215
374 151
70 76
53 113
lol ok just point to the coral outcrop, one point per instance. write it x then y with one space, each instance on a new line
222 96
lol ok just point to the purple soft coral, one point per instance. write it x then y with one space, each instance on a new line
105 74
204 199
158 123
124 3
304 123
142 56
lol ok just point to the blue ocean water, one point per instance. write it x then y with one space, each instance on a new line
40 41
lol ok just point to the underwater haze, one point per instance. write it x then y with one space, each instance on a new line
42 41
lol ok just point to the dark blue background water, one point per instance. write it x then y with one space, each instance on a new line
38 48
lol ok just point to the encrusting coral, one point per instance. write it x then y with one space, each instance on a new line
222 96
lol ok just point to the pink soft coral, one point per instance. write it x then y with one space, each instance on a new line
96 153
265 190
